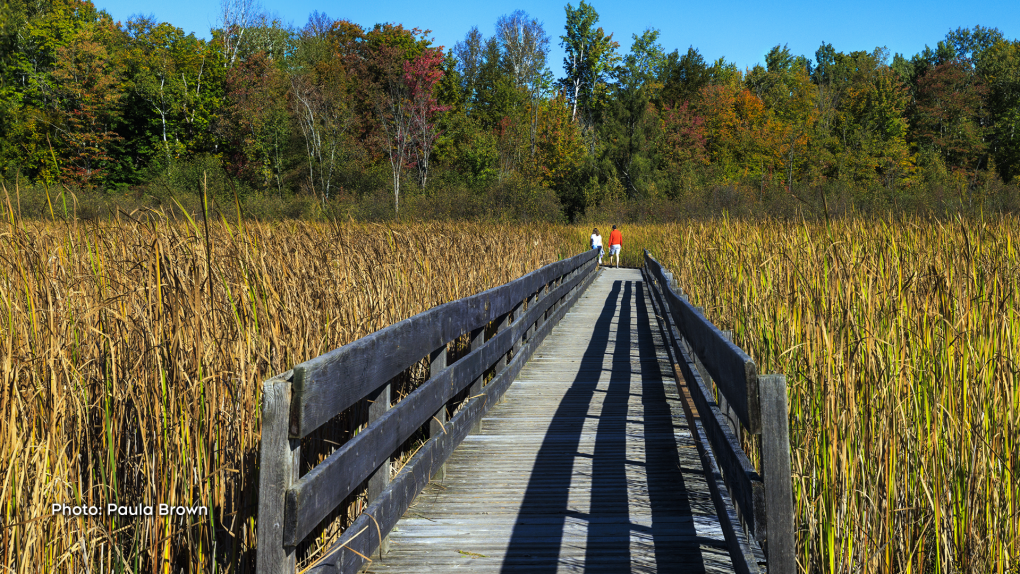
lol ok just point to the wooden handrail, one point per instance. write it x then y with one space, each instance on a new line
708 359
300 401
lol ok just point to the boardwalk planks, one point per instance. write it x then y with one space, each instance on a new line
764 504
588 464
596 460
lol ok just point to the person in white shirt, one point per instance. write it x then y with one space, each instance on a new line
596 241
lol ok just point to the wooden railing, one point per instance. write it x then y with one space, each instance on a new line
709 361
518 315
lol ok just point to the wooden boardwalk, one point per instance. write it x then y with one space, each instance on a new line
587 464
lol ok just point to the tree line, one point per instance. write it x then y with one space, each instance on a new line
336 111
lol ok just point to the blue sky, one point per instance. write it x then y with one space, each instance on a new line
742 31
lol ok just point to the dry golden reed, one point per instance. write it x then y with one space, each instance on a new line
131 356
900 343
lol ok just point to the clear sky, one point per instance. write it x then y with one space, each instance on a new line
742 31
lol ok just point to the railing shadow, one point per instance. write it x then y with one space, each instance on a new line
677 547
537 536
547 523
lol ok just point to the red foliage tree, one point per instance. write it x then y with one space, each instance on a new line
684 138
255 119
421 76
86 84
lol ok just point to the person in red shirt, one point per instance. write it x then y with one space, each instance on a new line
615 245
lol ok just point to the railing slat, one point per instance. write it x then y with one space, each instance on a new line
765 504
742 480
362 537
317 493
733 371
328 384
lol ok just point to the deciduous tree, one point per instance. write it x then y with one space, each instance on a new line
947 116
422 75
87 86
590 60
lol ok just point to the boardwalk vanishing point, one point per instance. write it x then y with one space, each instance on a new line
587 465
574 419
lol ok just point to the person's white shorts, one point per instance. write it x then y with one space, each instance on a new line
614 250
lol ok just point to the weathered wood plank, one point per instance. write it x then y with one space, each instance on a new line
746 559
437 426
743 482
775 449
378 405
330 383
732 370
278 468
362 537
317 493
476 342
592 460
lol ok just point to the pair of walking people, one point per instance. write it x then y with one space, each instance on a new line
615 244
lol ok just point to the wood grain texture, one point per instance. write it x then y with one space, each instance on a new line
378 404
775 449
277 470
319 491
328 384
362 537
745 552
743 483
588 463
732 370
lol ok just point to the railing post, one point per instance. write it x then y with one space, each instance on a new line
279 466
290 506
378 404
532 300
477 340
502 322
697 360
517 312
437 362
775 455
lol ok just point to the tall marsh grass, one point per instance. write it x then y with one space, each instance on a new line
131 356
900 342
131 353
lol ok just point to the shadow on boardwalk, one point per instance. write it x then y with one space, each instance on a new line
584 466
537 539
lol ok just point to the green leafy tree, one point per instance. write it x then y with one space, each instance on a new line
322 105
172 74
31 111
947 116
861 133
561 155
999 69
590 61
684 77
524 46
631 128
